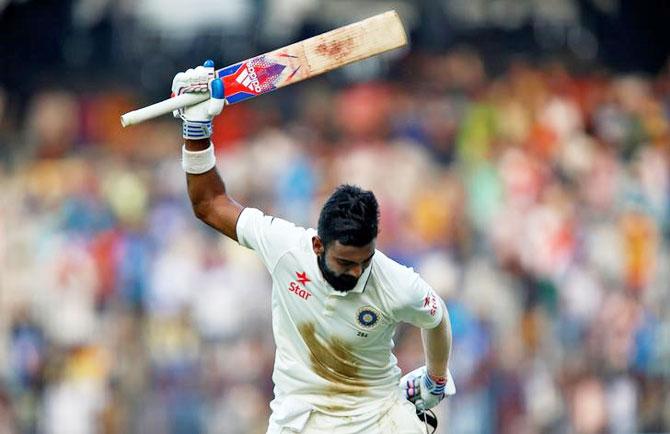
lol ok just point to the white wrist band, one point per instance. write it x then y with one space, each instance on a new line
197 162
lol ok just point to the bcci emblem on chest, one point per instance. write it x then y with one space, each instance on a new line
367 317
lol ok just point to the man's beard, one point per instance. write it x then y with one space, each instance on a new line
342 283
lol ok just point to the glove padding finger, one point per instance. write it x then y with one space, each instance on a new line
177 88
195 80
199 78
217 100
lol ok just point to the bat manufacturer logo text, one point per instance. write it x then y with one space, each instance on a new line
249 79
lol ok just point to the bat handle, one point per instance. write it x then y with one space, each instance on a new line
163 107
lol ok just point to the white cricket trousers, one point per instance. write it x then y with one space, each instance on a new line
399 419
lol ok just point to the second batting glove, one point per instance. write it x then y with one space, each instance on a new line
424 391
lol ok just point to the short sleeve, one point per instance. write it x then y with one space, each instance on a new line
420 306
270 237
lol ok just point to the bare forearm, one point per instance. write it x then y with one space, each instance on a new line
210 202
204 187
437 346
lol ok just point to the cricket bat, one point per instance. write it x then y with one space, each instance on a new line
291 64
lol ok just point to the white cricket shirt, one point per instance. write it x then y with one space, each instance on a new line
334 348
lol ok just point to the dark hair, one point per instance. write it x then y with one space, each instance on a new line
350 216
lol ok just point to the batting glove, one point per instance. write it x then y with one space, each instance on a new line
424 391
198 118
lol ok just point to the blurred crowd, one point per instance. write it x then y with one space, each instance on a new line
536 202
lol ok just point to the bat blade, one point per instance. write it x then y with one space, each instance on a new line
293 63
313 56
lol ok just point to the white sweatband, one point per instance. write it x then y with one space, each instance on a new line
197 162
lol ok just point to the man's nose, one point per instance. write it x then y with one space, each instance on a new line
356 271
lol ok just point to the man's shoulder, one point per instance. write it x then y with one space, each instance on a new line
396 284
273 223
389 265
271 236
306 238
391 273
300 244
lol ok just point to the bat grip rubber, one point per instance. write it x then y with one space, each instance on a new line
161 108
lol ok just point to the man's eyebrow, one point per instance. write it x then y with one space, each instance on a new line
353 262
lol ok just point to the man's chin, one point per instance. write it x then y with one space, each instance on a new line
334 280
342 289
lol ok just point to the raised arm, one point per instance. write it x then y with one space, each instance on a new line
206 189
209 199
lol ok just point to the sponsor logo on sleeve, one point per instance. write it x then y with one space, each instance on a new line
430 302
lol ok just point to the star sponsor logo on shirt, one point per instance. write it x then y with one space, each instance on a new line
296 289
299 285
430 302
367 317
302 278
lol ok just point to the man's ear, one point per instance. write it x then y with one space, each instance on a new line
317 245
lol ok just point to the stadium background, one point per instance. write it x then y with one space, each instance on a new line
519 151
